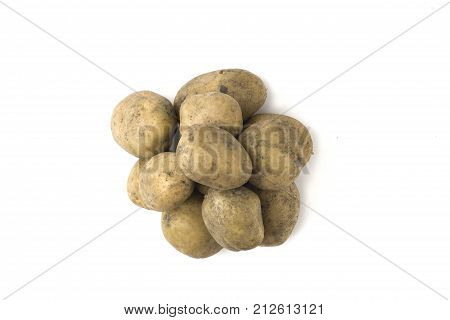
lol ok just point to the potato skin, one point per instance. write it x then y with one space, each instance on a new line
279 147
184 229
213 157
213 109
245 87
280 210
233 217
143 124
133 189
163 186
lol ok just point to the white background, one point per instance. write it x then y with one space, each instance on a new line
381 169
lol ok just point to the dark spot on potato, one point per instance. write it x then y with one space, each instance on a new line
223 89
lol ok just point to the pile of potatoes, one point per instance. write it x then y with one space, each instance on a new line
221 176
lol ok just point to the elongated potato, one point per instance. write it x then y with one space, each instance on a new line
280 210
184 229
213 157
163 186
213 109
233 217
134 191
143 124
245 87
279 147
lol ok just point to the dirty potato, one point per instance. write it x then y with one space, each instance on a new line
143 124
184 229
213 109
134 192
213 157
233 217
279 147
245 87
280 210
163 186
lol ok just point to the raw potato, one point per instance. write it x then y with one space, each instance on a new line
233 218
211 109
279 147
202 189
185 230
245 87
280 210
213 157
133 189
163 185
143 124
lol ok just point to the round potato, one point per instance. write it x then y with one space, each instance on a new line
213 109
134 192
233 217
280 210
163 186
213 157
143 124
245 87
185 230
279 147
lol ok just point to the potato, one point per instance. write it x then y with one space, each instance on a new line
280 210
213 157
134 192
279 147
143 124
163 185
245 87
213 109
185 230
233 217
202 189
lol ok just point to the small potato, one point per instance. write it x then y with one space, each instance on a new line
202 189
163 185
143 124
185 230
233 218
213 157
245 87
133 188
279 147
280 210
213 109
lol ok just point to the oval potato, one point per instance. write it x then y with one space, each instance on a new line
233 217
245 87
163 186
213 157
133 189
213 109
184 229
143 124
279 147
280 210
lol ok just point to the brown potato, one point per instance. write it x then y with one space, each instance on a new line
184 229
213 109
245 87
134 192
163 186
280 210
233 217
143 124
279 147
213 157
